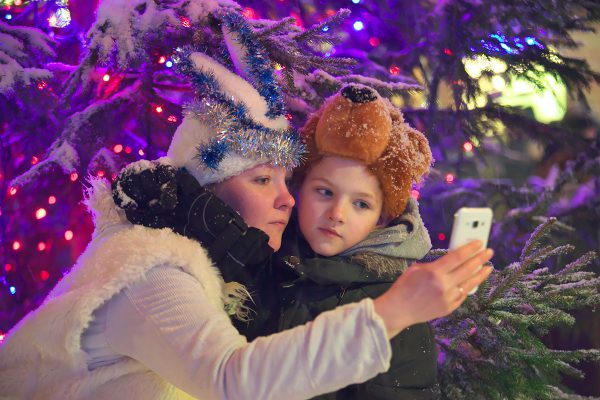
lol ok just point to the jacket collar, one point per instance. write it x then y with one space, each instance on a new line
341 271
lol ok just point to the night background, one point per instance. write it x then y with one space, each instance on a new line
507 92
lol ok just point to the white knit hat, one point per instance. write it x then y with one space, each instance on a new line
234 125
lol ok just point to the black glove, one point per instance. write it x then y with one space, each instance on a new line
147 193
162 197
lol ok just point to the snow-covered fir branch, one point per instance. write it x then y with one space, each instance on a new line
495 337
80 141
123 41
23 53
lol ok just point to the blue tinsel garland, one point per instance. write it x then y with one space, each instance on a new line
235 130
260 72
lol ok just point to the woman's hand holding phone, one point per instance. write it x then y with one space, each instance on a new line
432 290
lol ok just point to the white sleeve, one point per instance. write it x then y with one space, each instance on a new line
167 323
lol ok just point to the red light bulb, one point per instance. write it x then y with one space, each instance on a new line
40 213
44 275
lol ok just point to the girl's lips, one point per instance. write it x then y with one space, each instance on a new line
330 232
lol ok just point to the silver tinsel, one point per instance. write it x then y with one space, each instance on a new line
279 147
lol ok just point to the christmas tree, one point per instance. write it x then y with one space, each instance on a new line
489 83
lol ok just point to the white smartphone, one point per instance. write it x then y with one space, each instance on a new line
471 223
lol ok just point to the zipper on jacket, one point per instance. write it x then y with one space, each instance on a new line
341 295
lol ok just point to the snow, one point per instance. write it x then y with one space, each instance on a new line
9 44
29 37
60 67
320 76
20 47
296 104
12 73
124 25
198 10
104 158
379 84
64 155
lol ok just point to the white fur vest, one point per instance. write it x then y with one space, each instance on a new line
42 358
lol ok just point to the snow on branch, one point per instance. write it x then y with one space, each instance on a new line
63 155
123 29
77 138
320 77
494 338
23 51
294 49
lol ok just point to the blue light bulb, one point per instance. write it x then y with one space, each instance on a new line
358 26
12 290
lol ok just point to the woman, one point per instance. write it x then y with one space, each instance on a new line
143 312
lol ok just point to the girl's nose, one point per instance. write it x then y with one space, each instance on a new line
336 213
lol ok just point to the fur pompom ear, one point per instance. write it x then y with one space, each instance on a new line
418 153
405 161
308 132
355 124
395 113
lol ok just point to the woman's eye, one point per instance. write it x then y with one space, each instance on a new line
324 192
262 180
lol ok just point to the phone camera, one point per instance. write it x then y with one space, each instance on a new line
475 224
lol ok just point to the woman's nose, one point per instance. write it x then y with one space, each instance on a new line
284 198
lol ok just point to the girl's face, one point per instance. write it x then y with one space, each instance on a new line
339 204
261 197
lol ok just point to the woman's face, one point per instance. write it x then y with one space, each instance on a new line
261 197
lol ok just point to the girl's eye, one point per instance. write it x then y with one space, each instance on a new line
362 205
262 180
324 192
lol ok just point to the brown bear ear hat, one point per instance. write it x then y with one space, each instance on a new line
357 123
